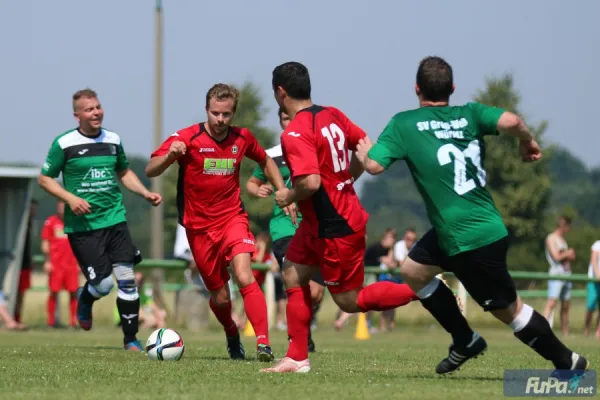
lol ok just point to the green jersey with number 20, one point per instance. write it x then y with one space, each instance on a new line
90 168
444 150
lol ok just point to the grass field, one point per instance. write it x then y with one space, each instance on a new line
65 364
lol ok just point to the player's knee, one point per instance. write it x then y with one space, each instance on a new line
102 288
316 292
220 298
126 282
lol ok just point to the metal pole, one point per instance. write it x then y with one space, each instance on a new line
157 183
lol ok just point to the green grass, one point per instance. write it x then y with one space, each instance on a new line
91 365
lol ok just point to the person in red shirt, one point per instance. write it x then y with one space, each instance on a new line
331 236
262 255
211 210
60 265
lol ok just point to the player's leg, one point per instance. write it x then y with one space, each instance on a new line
238 246
554 288
24 285
54 285
317 291
485 275
89 250
121 252
342 267
70 285
205 248
591 306
597 290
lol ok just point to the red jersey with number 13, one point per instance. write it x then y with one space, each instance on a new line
317 141
208 185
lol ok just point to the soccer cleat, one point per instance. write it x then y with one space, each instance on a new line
458 356
579 366
235 348
286 364
264 353
84 312
134 346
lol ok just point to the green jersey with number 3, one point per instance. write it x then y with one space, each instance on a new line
90 167
444 150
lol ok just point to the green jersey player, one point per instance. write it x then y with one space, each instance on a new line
281 227
92 161
444 149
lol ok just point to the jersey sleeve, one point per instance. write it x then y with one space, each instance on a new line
487 118
163 150
259 174
353 132
389 146
55 161
254 151
122 162
47 230
301 153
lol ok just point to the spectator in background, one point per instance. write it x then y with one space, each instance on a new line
60 265
6 318
382 254
593 290
559 256
26 265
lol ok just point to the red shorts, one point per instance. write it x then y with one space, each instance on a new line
24 280
341 260
214 250
63 280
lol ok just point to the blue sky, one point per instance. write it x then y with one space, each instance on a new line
362 57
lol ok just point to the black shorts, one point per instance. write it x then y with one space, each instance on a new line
279 249
97 251
483 271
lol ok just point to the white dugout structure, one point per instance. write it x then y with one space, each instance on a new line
16 191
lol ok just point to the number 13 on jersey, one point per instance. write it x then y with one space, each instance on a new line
337 140
463 185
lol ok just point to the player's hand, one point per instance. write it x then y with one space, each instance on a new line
363 147
47 267
176 150
292 212
264 190
153 198
283 197
79 206
530 150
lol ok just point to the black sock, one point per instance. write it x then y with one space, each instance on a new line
538 335
444 308
315 309
86 297
129 311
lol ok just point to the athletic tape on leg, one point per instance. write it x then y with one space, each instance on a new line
125 281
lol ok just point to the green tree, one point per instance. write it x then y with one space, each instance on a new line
520 190
250 114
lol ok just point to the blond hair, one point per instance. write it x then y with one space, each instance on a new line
84 93
222 92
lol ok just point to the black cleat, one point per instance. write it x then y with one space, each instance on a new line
264 353
235 348
459 356
579 367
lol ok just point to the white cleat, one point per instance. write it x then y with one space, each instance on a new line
287 364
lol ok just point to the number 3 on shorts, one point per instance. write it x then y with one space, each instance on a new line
91 273
463 185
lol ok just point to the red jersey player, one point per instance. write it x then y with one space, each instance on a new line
60 265
331 235
210 208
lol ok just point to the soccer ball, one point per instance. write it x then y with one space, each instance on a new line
165 344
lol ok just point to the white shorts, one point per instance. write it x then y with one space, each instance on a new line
559 290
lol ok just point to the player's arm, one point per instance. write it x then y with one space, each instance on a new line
554 252
389 148
256 184
130 180
171 150
51 169
271 172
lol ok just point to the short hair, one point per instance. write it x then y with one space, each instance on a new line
293 77
222 92
567 220
389 231
435 79
411 229
280 112
84 93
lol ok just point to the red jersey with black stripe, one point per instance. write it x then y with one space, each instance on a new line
208 185
318 141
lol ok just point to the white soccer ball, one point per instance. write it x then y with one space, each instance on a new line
165 344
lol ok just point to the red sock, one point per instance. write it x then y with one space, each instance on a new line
51 309
382 296
298 312
256 311
223 314
73 310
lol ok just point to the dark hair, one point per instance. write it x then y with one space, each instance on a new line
434 78
411 229
566 219
279 112
293 77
